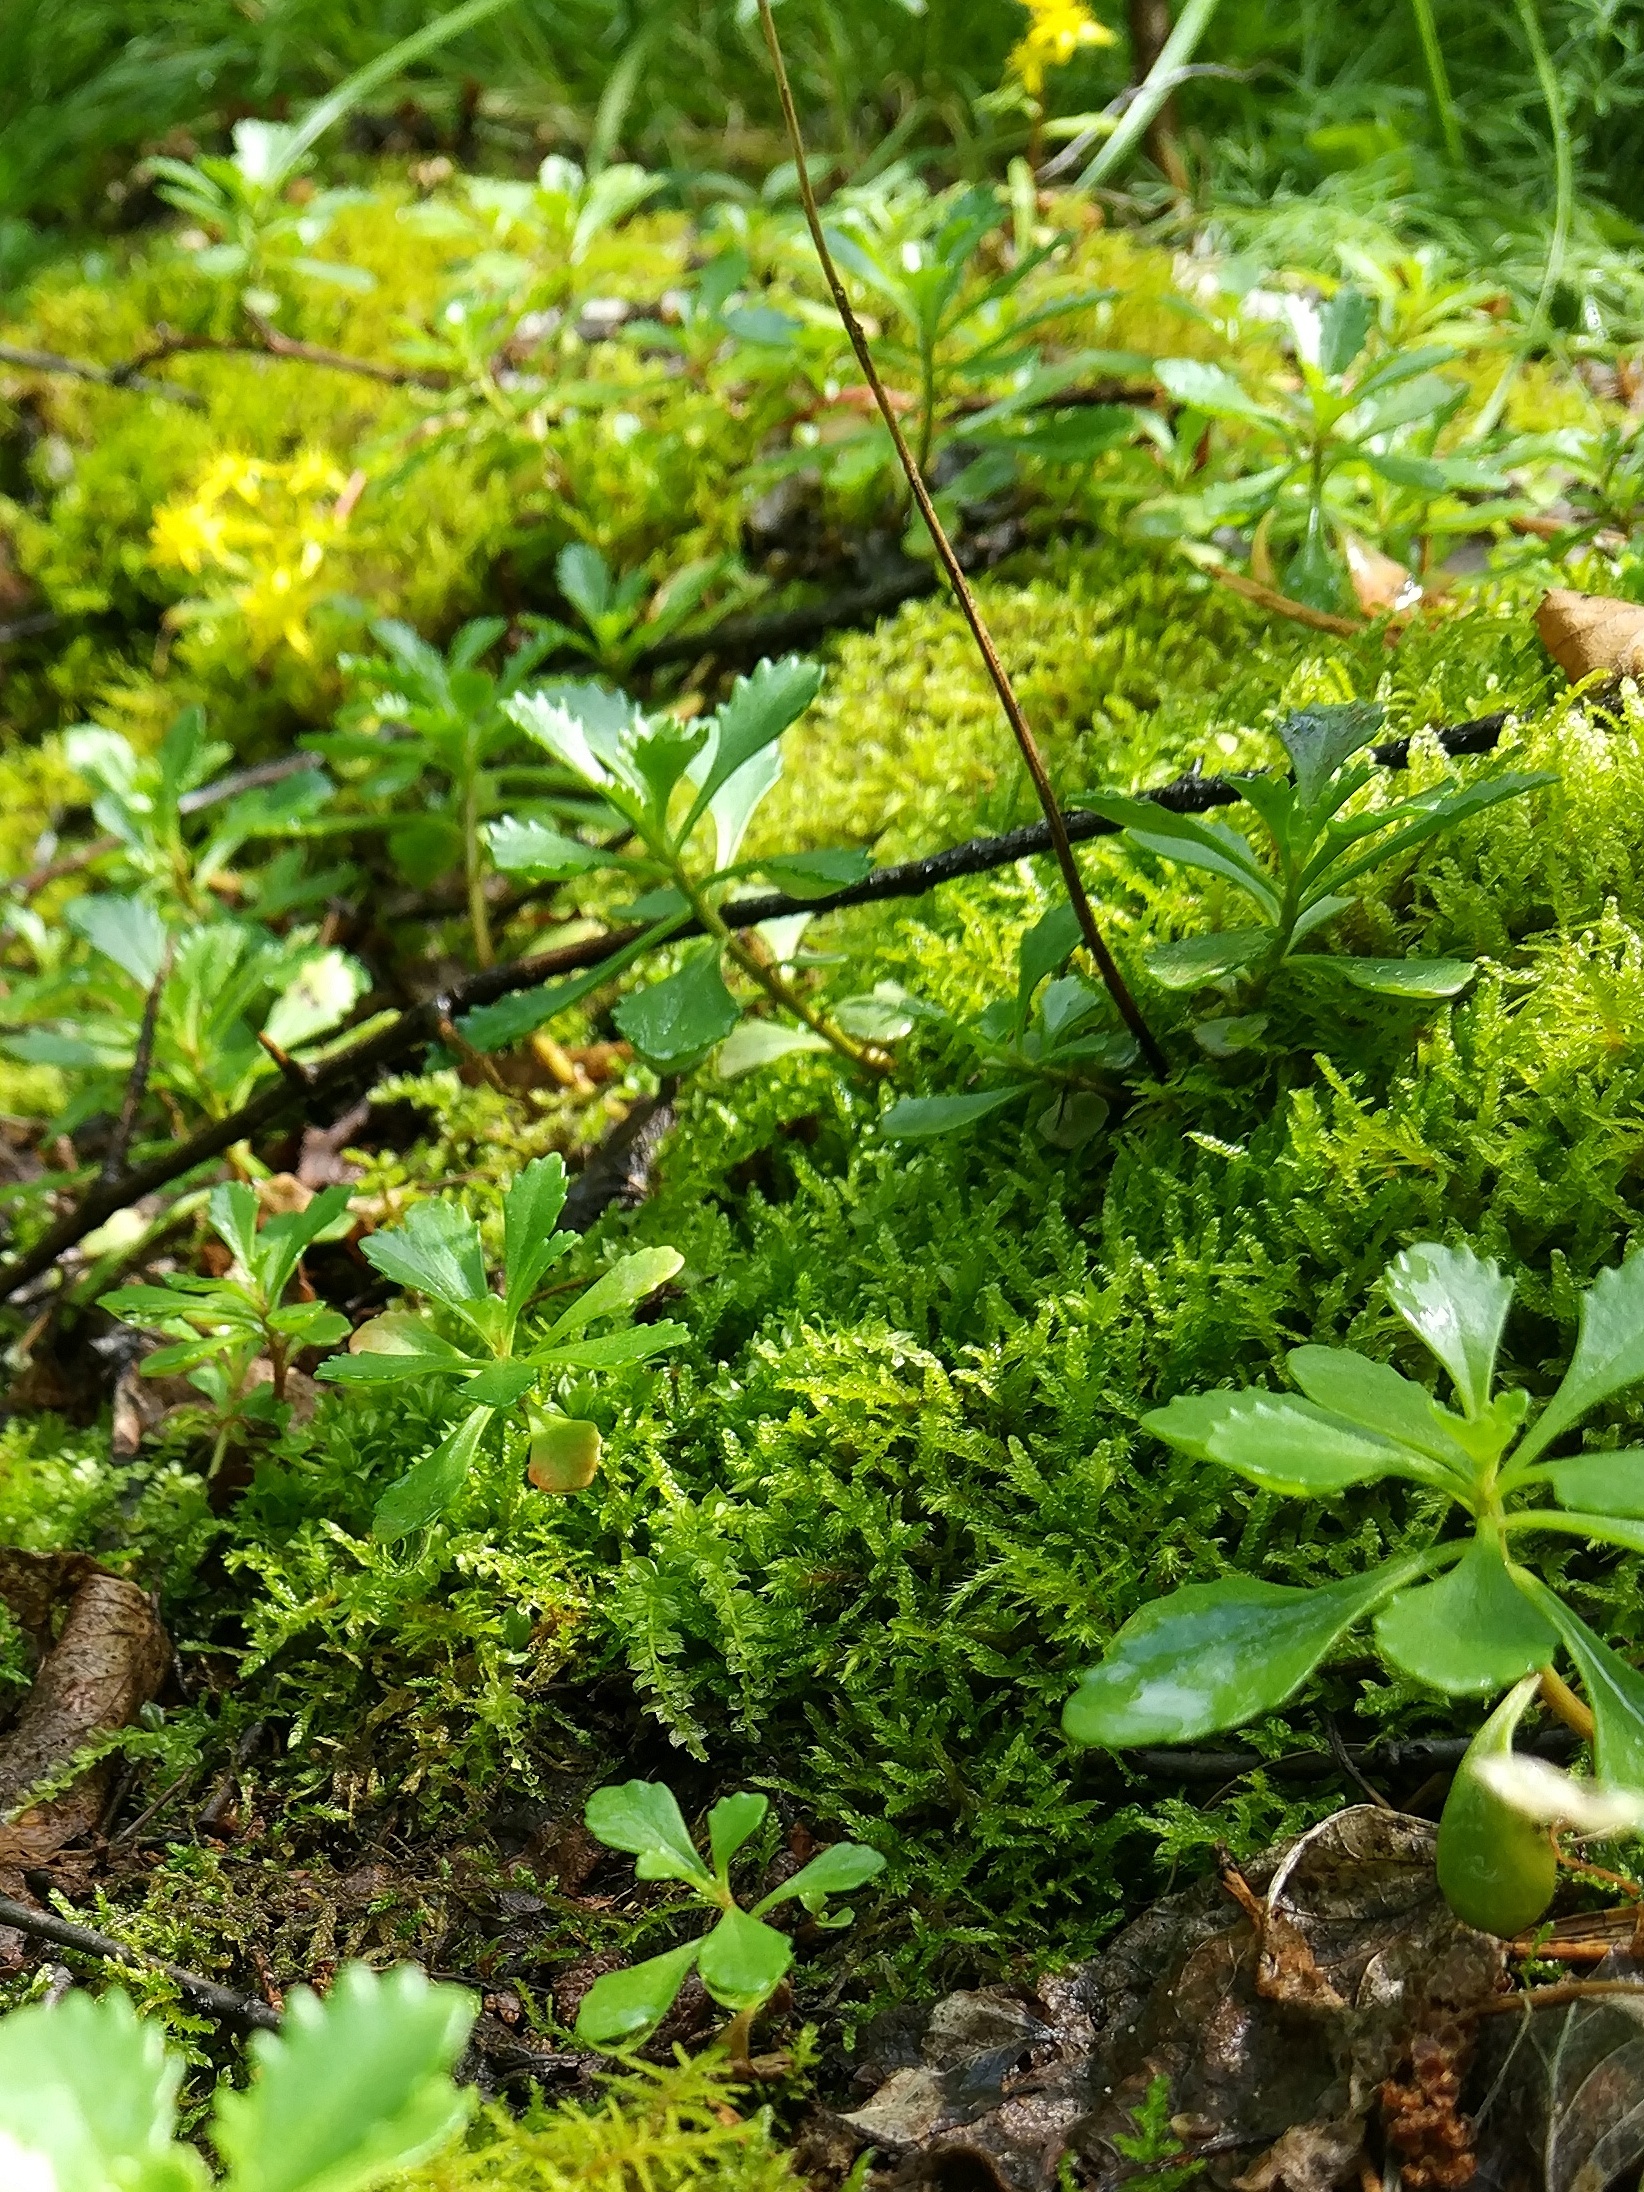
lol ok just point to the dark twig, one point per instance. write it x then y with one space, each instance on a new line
137 1082
268 342
362 1063
1339 1752
1129 1011
204 1994
102 376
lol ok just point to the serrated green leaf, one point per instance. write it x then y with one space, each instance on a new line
743 1961
1319 739
622 2008
1284 1444
530 1212
760 709
1197 960
353 2088
1344 327
644 1818
673 1022
233 1212
437 1251
89 2089
541 853
1217 1654
629 1281
1615 1691
395 1346
429 1486
1212 390
1456 1303
817 874
126 930
1470 1633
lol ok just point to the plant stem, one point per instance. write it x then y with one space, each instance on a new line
1558 1697
1177 50
1118 989
865 1056
1438 79
478 915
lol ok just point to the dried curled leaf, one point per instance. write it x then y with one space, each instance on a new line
1587 632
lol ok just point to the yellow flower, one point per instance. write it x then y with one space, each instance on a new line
267 524
1056 31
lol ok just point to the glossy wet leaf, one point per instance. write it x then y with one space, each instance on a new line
673 1022
1281 1443
1418 979
1469 1633
1216 1654
500 1385
838 1870
743 1961
1609 1354
643 1818
1197 960
614 1350
1378 1398
759 1043
429 1486
730 1823
622 2008
920 1118
1614 1690
1320 738
353 2088
1209 846
1455 1302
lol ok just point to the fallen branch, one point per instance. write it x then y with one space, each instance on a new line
102 376
268 342
204 1994
358 1066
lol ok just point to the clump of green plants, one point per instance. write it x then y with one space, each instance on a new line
1462 1615
354 2088
740 1960
1356 448
221 1329
498 1363
685 793
621 617
1054 1038
1315 850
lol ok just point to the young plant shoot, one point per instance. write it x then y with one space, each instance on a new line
499 1360
740 1960
685 793
1467 1615
220 1330
1315 850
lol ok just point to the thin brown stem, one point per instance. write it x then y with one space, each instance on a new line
1119 990
142 1061
267 342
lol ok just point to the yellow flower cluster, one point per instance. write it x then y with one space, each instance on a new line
1056 31
269 526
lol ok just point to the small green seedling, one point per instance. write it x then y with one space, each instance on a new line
353 2089
1465 1615
740 1960
1353 446
259 235
220 1329
496 1363
684 794
1053 1040
621 618
1315 851
421 715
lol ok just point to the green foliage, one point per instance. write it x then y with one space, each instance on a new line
438 1253
740 1959
220 1328
1218 1654
353 2089
1315 851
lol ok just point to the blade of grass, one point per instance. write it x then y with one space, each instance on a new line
1161 79
1438 79
1117 987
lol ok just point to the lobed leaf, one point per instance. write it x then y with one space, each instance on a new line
622 2008
88 2100
1609 1353
437 1251
1456 1303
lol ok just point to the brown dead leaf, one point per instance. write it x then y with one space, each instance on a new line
1587 632
1380 582
109 1660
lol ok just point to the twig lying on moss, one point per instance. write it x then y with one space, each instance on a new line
266 341
1028 746
358 1066
205 1994
103 376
